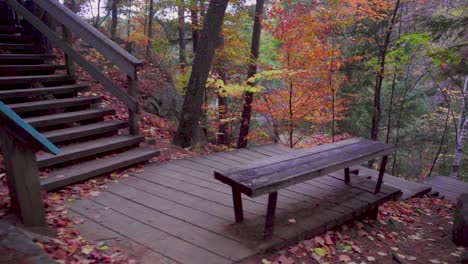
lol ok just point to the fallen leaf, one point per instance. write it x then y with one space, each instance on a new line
434 261
94 193
320 251
344 258
319 240
285 260
87 249
266 261
55 197
410 258
292 221
356 248
371 259
383 254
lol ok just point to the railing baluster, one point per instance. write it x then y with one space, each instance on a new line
133 118
67 37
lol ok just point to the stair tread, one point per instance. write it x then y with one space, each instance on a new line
83 171
68 117
13 35
49 104
18 46
32 67
89 148
25 56
36 78
83 130
12 29
42 90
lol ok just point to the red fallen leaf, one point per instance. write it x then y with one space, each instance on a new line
344 258
285 260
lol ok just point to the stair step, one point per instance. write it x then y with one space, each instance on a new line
25 56
56 103
83 171
11 29
88 149
15 46
63 89
7 38
36 78
82 131
69 117
36 67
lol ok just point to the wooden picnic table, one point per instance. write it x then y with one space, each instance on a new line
267 176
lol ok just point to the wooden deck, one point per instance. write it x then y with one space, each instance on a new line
447 187
408 188
176 212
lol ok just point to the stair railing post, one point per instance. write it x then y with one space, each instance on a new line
69 63
133 117
23 180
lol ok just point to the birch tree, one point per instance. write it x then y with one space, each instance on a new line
462 133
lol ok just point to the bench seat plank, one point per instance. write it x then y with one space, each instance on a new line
271 174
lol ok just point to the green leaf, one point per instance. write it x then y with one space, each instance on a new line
320 251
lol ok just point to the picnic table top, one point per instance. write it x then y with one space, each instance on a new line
270 174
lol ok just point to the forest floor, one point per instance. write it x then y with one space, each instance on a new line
418 230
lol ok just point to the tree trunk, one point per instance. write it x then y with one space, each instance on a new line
462 133
222 112
114 21
380 76
181 28
248 96
71 4
189 130
129 20
98 15
195 28
377 110
149 47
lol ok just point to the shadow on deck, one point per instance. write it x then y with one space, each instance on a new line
177 212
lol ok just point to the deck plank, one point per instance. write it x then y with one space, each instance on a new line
99 234
448 187
210 241
170 246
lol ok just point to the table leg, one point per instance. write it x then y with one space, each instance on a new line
270 218
383 164
237 198
346 175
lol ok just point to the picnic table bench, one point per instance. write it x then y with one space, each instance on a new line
267 176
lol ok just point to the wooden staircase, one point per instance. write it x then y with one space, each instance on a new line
51 101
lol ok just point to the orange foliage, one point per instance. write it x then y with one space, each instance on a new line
311 35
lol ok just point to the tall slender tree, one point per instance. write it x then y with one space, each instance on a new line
114 18
150 28
252 70
189 131
181 29
462 133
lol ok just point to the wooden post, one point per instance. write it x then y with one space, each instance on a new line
270 217
383 164
237 199
346 175
133 118
67 37
23 180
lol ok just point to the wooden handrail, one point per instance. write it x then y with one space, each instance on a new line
113 52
